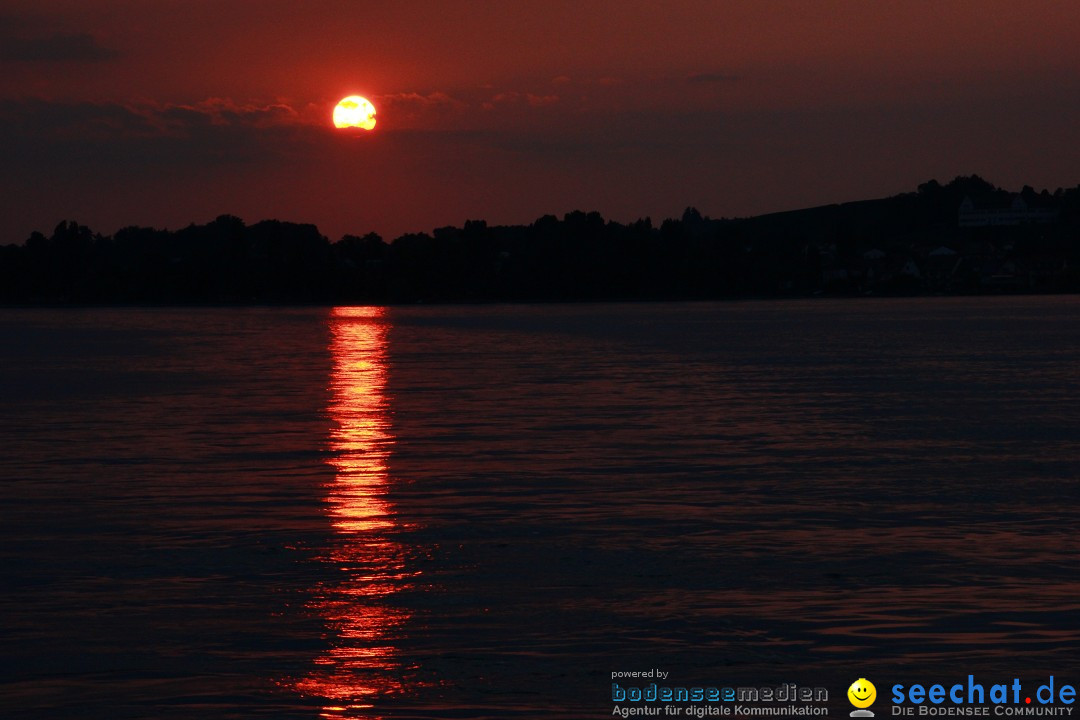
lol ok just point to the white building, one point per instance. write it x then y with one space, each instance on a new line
1015 212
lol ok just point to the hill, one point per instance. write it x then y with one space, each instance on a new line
967 236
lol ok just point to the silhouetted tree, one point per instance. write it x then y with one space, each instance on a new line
854 247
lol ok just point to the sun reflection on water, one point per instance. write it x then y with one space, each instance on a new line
363 663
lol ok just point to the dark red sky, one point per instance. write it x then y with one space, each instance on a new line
166 112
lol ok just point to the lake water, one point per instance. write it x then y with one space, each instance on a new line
484 512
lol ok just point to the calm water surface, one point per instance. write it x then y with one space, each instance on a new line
482 512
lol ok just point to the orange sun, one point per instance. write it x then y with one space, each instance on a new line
354 111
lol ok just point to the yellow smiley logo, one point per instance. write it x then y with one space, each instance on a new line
862 693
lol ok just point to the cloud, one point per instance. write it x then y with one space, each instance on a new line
415 110
517 98
541 100
57 47
224 112
417 100
40 134
45 117
27 120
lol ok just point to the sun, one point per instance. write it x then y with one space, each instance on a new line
354 111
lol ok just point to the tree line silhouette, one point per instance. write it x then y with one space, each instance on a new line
908 243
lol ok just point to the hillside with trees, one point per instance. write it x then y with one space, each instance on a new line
964 237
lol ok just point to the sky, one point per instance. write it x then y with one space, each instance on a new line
163 112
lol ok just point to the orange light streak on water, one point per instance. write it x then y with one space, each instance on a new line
363 663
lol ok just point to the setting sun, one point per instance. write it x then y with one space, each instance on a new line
354 111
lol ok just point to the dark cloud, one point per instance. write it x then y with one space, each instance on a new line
514 97
415 110
56 47
414 99
223 112
112 137
44 117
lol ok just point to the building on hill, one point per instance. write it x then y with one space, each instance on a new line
1014 211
